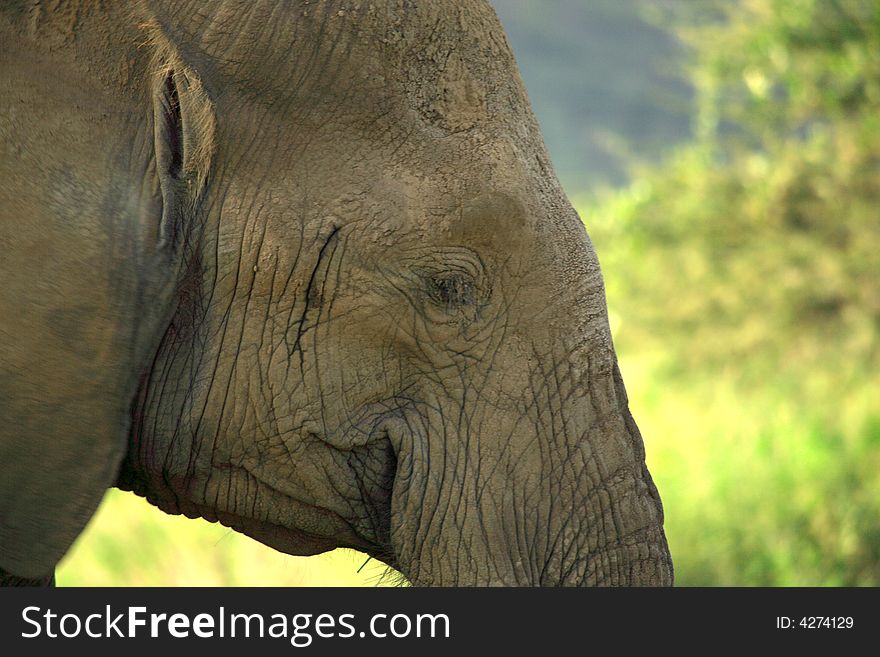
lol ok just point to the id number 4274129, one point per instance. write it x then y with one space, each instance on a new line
814 622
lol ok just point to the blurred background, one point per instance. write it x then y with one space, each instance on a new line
725 158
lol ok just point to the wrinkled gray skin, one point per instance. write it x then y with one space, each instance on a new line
305 269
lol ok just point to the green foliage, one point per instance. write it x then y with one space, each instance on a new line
747 272
773 217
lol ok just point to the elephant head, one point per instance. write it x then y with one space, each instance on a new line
392 334
384 324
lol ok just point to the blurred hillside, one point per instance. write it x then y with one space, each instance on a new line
605 79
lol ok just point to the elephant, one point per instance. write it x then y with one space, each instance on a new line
304 269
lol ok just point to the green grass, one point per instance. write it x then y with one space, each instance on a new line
758 489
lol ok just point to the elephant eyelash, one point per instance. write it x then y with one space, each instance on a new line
452 291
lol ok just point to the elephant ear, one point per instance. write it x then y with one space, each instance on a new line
184 129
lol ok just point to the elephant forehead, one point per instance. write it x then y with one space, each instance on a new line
446 61
345 173
477 209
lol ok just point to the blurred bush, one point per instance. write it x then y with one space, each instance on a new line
746 271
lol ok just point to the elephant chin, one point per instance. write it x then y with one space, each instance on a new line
284 536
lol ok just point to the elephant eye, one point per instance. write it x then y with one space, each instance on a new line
452 280
452 291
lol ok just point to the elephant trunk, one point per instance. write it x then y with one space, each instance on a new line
563 498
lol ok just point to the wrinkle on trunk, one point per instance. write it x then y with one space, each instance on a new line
552 491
